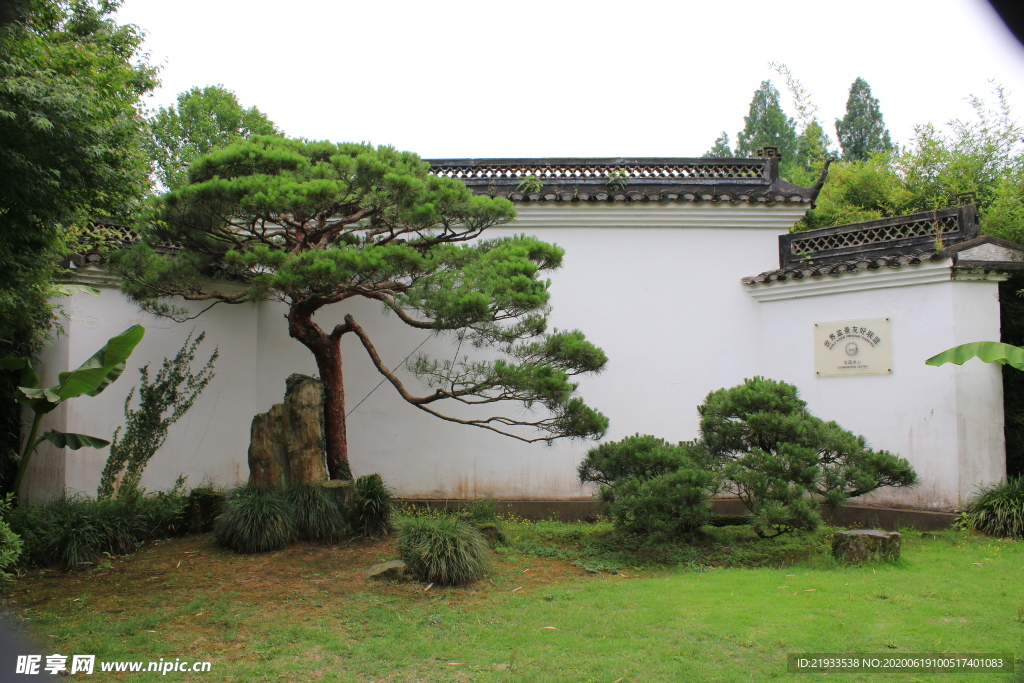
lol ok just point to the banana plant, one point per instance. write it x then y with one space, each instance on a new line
990 352
91 377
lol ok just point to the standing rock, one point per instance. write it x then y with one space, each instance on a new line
865 545
286 444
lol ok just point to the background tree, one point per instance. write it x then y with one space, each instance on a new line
721 148
813 146
315 223
203 119
767 125
983 156
862 131
70 151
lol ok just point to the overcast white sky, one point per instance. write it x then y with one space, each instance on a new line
568 78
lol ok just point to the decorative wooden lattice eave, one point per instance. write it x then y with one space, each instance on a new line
927 231
892 244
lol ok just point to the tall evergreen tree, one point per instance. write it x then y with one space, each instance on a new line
721 149
767 125
862 131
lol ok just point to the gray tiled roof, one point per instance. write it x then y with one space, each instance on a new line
985 252
812 270
734 181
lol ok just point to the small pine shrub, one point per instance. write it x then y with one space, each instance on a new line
255 519
997 510
634 457
442 550
317 516
666 505
372 506
782 461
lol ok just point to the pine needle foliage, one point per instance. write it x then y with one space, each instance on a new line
317 515
372 506
998 510
782 461
162 402
862 130
316 224
256 519
653 487
443 550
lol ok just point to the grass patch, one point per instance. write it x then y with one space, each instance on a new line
305 612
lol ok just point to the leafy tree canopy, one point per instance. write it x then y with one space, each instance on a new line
983 156
312 224
70 83
862 131
204 118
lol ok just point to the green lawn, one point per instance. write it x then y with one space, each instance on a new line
306 614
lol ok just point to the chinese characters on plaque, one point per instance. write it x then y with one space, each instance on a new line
853 347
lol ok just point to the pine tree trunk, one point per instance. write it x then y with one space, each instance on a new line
328 363
327 352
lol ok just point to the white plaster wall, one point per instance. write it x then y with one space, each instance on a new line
947 421
662 302
210 441
656 286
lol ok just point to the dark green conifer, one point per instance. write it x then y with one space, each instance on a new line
862 131
767 125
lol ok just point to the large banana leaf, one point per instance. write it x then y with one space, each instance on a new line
74 441
990 352
69 289
105 366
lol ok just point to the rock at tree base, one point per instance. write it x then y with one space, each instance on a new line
392 569
202 508
344 490
492 532
865 545
286 444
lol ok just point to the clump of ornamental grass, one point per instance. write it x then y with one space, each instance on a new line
317 516
74 529
256 519
997 510
442 550
372 506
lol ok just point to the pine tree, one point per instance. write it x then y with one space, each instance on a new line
312 224
767 125
862 131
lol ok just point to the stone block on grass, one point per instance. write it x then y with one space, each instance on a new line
390 570
866 545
